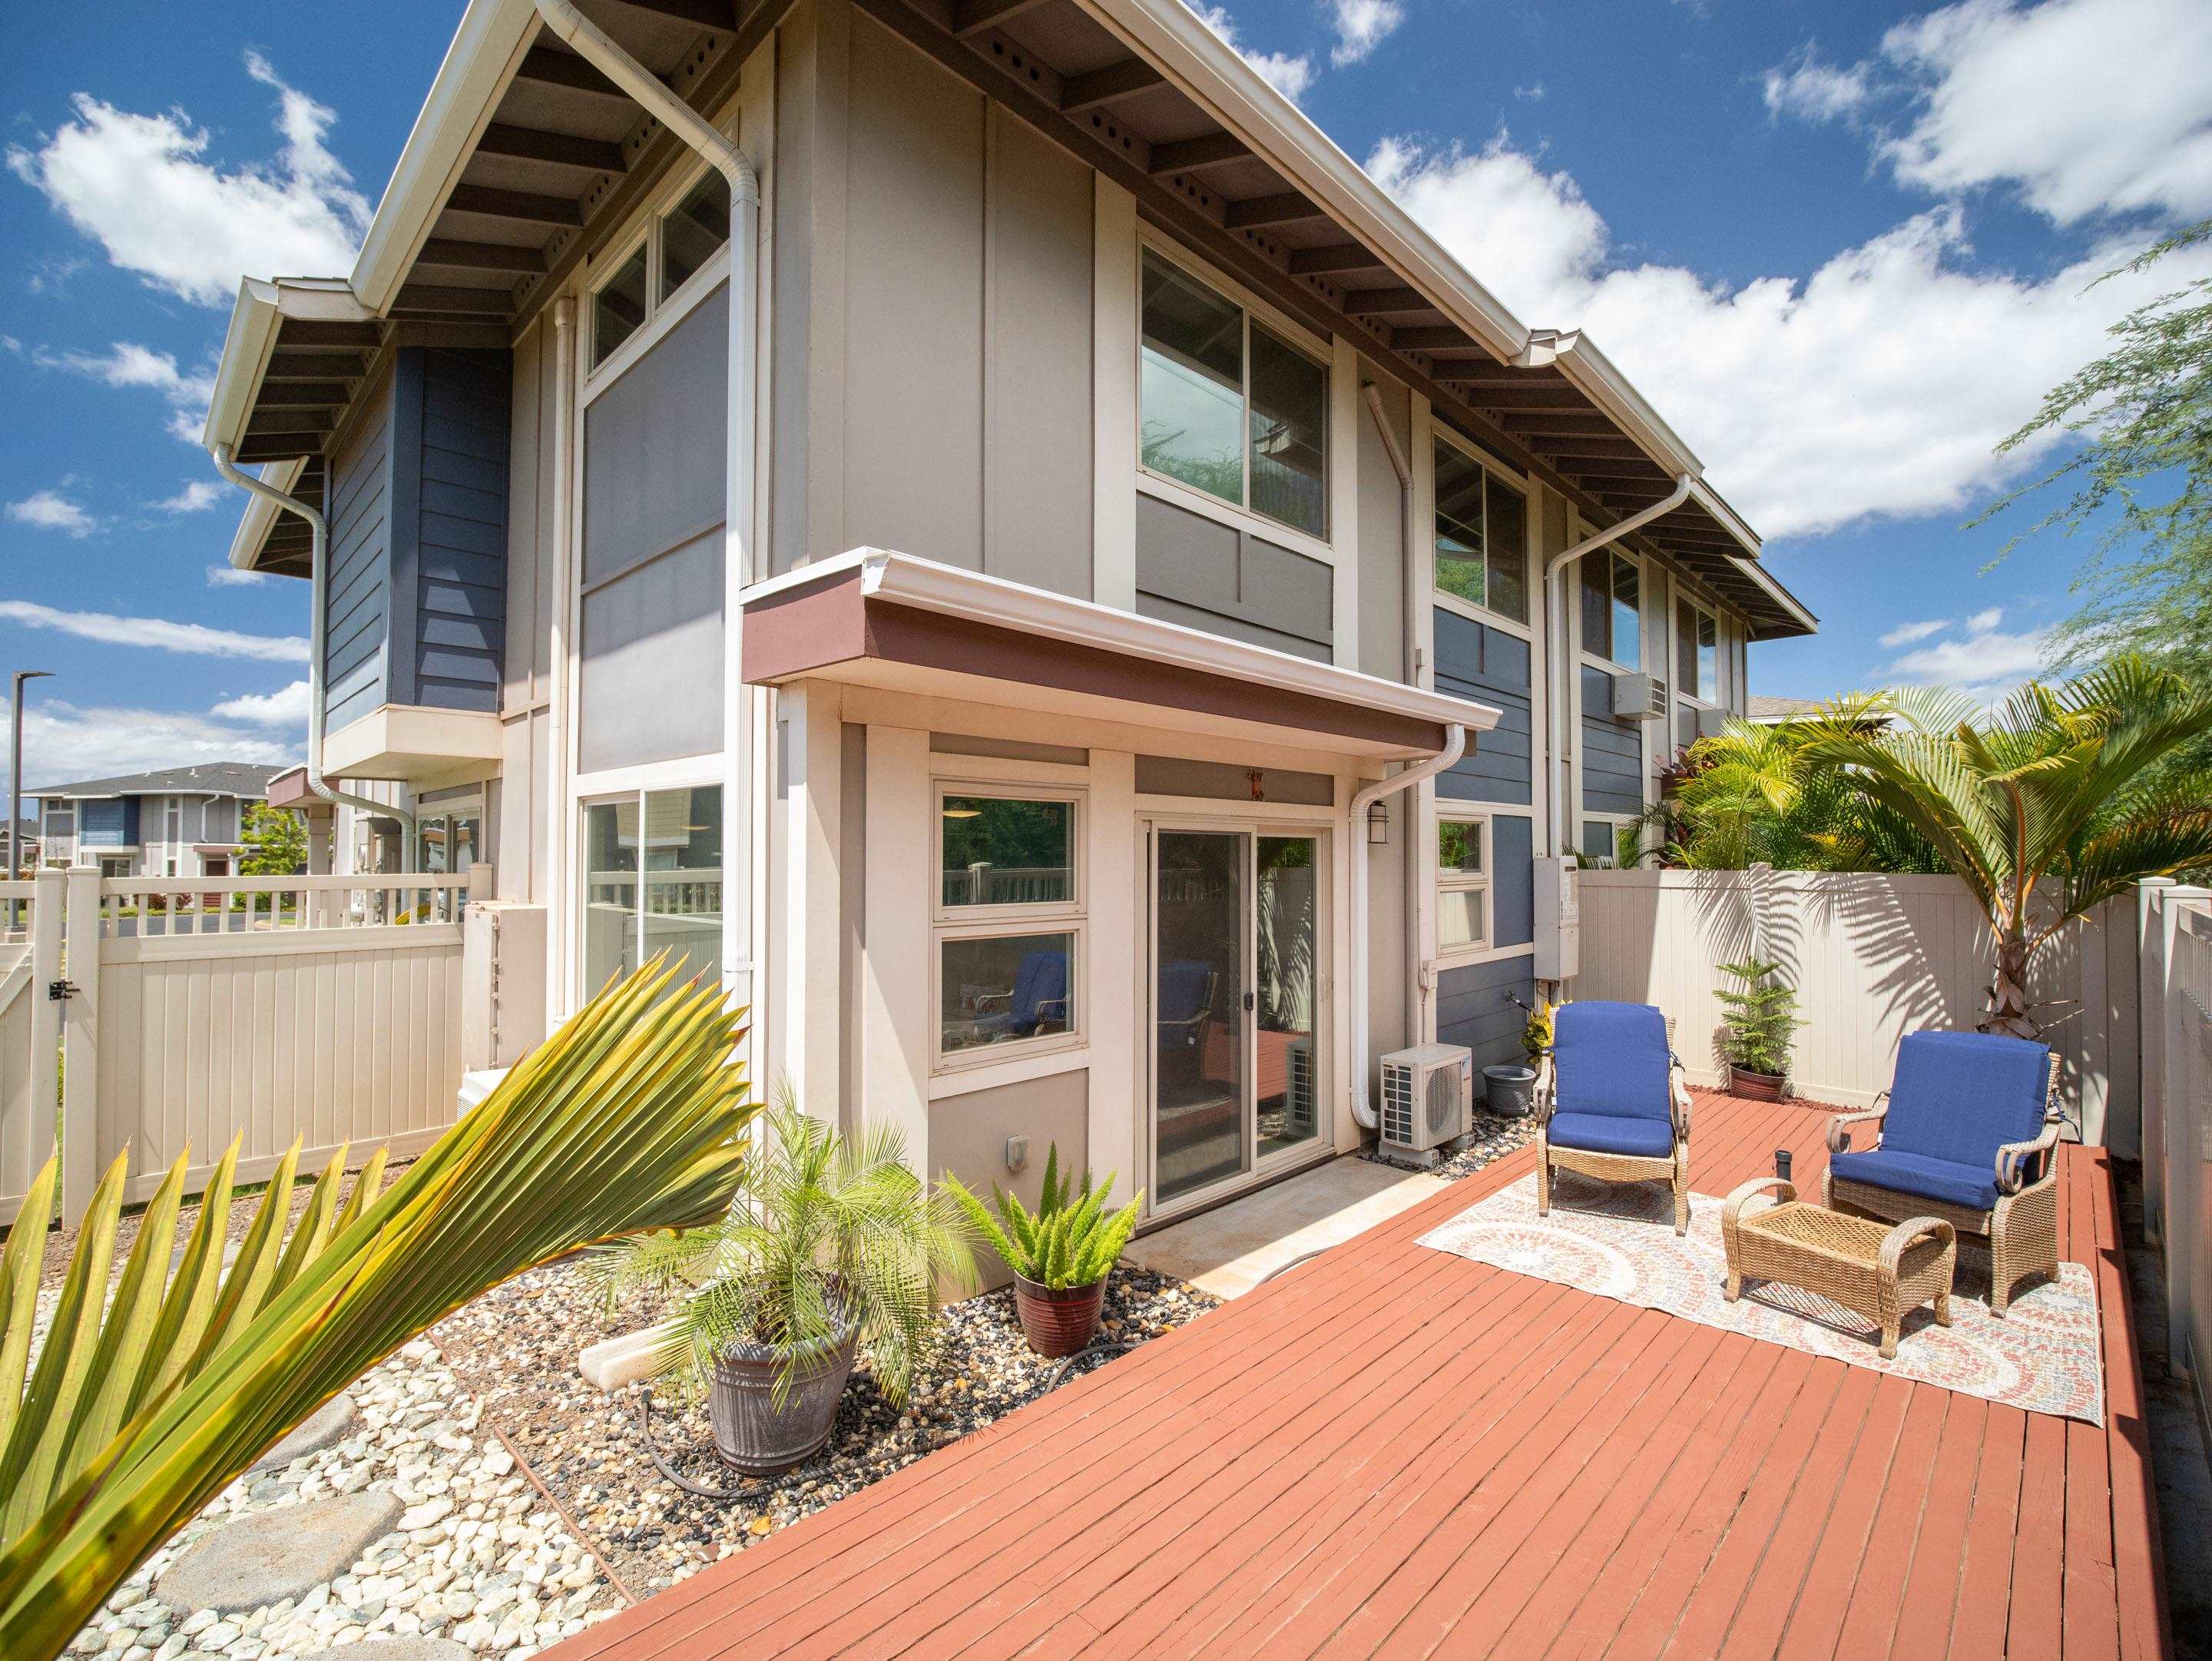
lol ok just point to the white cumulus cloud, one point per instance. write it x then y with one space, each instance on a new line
1361 25
162 633
62 741
224 575
197 498
1288 75
285 709
1877 385
50 510
1905 633
142 186
1811 90
1979 658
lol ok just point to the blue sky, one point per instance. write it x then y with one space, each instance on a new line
1842 247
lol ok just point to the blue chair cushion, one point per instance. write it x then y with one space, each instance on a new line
1610 1133
1182 992
1612 1062
1974 1187
1959 1096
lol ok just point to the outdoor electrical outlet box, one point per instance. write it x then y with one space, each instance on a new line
1018 1153
1559 920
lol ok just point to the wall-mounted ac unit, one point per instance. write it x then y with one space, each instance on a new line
1637 697
1711 722
1428 1099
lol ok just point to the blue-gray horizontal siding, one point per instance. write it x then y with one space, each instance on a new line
1475 660
1613 751
1204 575
449 504
357 598
1474 1007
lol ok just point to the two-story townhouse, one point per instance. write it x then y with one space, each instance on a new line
176 822
973 520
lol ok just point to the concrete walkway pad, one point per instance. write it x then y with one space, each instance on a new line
1231 1249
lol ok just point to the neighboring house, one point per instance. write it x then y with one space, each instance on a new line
1766 710
1116 482
178 822
25 833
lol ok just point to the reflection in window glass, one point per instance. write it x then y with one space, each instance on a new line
1460 566
1193 385
610 891
1004 851
1600 843
1509 550
689 236
1627 613
618 309
1612 596
1286 912
1005 990
1696 652
1459 846
682 857
1290 423
1460 920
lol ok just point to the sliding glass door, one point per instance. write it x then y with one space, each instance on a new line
1234 1005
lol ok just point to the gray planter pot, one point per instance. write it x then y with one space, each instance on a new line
752 1432
1512 1090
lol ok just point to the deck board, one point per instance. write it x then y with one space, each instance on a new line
1391 1451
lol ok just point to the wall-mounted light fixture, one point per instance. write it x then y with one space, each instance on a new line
1378 824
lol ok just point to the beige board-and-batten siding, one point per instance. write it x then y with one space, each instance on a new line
335 1036
1872 958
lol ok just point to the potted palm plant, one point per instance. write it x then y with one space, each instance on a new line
1061 1253
1759 1017
834 1249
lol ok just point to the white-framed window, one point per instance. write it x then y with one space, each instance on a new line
1696 652
1008 921
652 883
1606 839
1480 536
1613 600
671 248
1464 913
114 867
1229 406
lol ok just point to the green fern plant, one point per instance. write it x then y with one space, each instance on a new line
1759 1016
1069 1240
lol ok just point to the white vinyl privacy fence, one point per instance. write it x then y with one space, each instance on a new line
2177 1134
1872 958
324 1011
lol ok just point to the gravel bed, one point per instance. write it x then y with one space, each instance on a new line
518 1349
476 1557
1493 1138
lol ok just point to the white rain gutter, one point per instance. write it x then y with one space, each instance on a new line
599 49
1363 1106
318 580
1417 988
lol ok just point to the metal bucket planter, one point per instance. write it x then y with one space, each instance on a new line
752 1432
1058 1323
1509 1090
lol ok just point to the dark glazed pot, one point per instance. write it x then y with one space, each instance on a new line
1057 1324
1754 1086
756 1435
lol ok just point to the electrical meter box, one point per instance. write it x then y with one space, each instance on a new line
1559 920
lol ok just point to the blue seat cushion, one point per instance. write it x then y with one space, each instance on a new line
1612 1062
1974 1187
1610 1133
1959 1096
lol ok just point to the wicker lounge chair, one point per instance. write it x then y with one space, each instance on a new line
1611 1102
1967 1133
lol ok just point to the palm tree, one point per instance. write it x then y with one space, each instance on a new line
2050 804
146 1400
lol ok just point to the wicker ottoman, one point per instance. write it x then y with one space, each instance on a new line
1880 1270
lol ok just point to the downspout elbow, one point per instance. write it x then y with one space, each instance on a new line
1636 521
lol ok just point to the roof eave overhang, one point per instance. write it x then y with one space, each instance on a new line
1597 378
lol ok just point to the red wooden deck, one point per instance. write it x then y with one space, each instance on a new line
1392 1451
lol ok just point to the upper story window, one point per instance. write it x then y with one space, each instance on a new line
1462 884
1230 408
1481 536
676 245
1696 652
1612 601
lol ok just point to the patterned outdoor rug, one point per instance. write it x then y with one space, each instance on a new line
1619 1241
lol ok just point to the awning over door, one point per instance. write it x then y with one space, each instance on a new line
890 620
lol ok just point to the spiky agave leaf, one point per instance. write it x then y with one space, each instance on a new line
629 1117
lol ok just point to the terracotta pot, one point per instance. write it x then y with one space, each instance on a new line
1755 1086
1058 1323
753 1432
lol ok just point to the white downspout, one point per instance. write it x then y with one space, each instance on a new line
599 49
1362 1108
1416 990
318 582
564 898
1560 660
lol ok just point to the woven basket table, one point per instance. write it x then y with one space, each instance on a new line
1880 1270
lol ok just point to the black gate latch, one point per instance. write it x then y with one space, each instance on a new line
56 990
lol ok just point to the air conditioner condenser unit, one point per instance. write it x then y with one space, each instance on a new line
1428 1100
